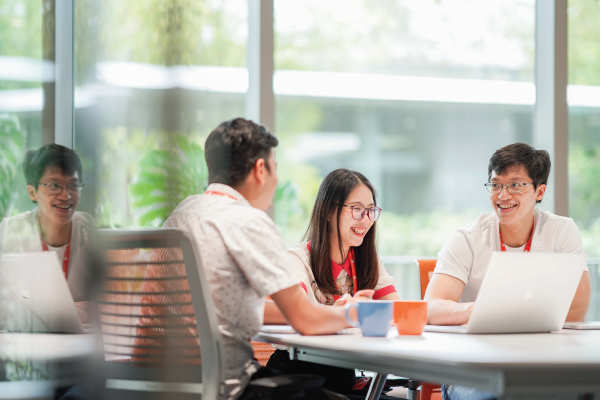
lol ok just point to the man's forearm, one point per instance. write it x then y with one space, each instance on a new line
273 315
321 320
307 318
448 312
581 301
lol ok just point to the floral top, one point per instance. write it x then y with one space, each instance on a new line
299 256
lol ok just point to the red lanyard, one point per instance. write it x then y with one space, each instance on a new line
214 193
528 243
351 255
65 258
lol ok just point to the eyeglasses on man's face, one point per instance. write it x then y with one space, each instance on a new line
512 187
358 212
56 188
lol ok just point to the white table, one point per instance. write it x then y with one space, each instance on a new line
511 365
62 359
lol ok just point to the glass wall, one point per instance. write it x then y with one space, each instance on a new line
153 76
583 159
415 95
26 87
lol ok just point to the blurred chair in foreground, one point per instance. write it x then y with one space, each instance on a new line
154 307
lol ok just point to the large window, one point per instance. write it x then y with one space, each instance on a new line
415 95
153 78
26 90
583 159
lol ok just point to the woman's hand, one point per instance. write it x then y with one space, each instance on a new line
364 294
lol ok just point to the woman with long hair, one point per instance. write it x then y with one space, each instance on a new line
340 255
339 259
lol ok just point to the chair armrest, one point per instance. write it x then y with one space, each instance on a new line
283 385
397 382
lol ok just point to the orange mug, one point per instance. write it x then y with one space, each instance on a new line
410 316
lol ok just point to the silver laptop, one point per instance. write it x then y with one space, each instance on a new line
523 292
34 296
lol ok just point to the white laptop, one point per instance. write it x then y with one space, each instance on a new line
523 292
34 296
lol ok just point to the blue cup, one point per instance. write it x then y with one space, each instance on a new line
375 316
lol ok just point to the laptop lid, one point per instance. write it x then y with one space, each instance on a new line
526 292
34 296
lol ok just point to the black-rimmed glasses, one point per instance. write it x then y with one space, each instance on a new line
512 187
358 212
56 188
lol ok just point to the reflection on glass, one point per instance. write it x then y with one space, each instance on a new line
153 79
583 157
26 72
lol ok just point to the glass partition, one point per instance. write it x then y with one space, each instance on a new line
583 157
415 95
152 80
26 94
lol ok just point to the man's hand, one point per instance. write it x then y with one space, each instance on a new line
84 311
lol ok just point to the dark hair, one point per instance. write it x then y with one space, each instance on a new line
536 162
234 147
51 155
333 193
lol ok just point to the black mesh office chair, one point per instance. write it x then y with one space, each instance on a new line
155 309
158 323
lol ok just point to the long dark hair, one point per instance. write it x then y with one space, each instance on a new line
333 193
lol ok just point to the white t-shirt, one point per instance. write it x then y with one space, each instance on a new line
60 253
466 253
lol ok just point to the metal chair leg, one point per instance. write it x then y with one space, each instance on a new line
413 390
376 387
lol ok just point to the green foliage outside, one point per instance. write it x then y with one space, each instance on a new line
20 33
12 141
189 32
583 42
158 180
163 32
165 178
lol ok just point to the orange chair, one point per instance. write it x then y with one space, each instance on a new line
262 350
430 391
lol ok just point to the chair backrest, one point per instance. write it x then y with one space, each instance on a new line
426 269
157 314
429 391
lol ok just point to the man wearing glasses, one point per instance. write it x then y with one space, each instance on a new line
53 174
517 180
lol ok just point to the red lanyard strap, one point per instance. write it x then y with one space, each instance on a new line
215 193
528 243
65 257
351 255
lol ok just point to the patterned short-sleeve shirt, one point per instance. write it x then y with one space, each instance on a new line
244 259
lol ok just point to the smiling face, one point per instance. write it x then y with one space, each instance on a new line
514 207
55 208
353 231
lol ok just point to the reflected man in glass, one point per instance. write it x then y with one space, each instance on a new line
54 182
